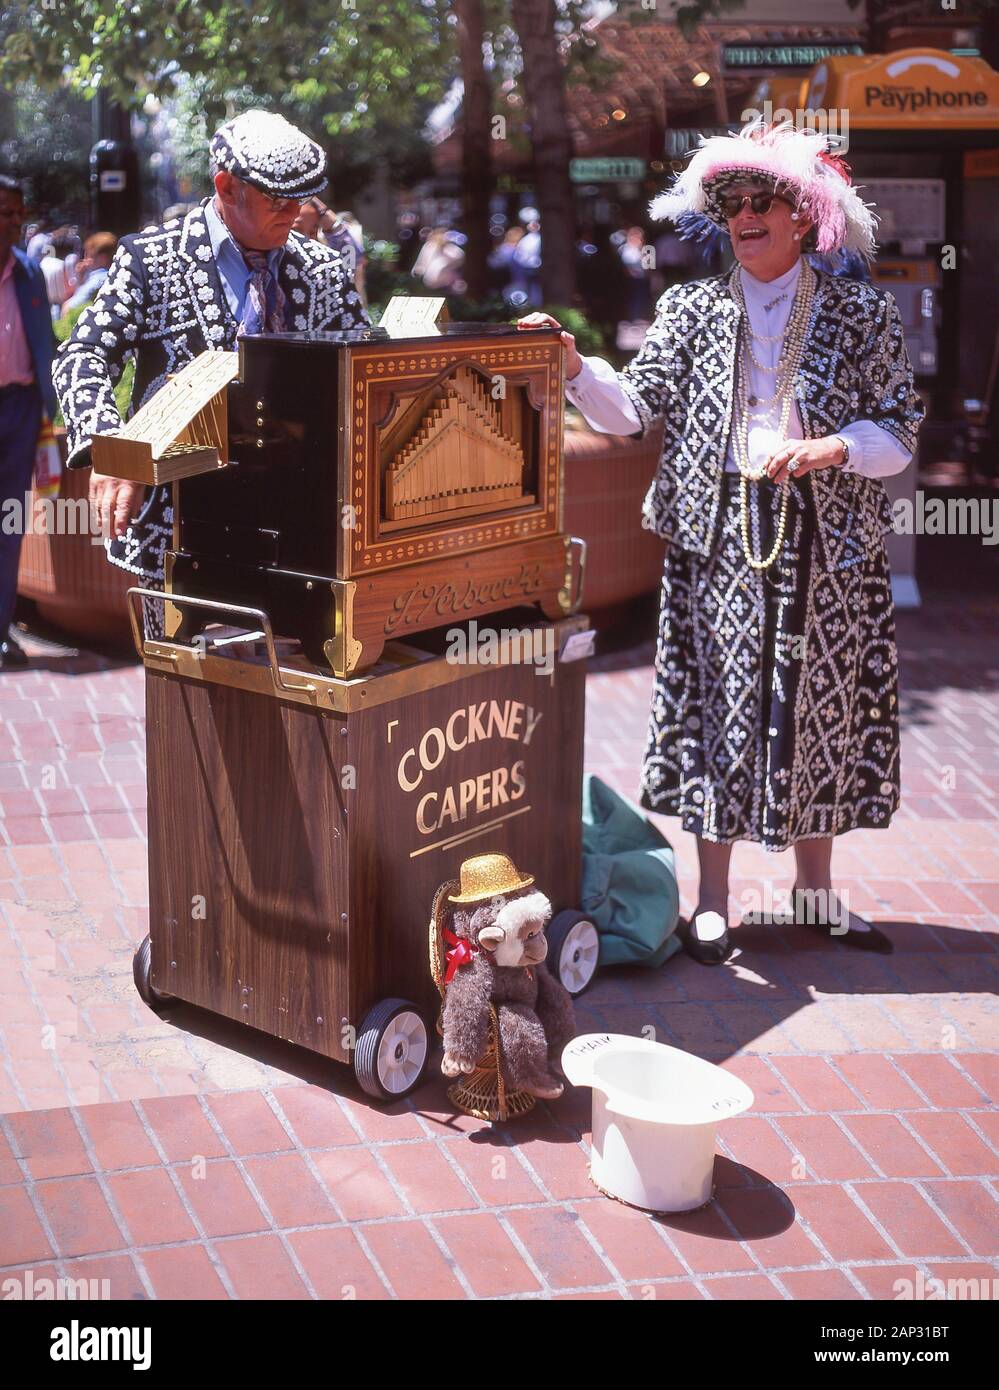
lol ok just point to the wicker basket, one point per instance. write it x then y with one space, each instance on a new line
482 1092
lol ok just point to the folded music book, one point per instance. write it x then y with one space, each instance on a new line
181 431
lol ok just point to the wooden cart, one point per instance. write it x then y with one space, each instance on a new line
360 494
299 825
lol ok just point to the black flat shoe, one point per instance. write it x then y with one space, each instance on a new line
12 654
712 952
869 940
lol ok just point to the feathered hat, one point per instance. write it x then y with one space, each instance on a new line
785 156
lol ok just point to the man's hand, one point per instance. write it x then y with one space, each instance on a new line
573 361
807 454
113 503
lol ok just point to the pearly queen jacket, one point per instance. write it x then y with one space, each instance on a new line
854 367
163 304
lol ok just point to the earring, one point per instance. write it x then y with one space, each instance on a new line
794 217
796 237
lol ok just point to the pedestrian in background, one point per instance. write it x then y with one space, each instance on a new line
638 300
26 350
92 271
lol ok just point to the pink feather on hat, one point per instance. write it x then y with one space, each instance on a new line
784 154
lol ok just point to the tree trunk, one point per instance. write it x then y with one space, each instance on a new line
544 90
476 147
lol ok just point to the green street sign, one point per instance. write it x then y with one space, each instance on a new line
740 57
606 170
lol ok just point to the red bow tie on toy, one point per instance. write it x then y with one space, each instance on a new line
461 953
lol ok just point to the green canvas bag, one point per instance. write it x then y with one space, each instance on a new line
629 887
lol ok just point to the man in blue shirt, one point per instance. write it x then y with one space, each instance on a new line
233 269
26 351
231 266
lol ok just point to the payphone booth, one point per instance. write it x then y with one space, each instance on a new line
912 120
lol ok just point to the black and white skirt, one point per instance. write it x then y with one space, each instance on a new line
775 705
141 551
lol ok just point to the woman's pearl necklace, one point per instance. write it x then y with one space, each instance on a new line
786 371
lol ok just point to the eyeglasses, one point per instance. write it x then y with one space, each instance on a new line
732 203
278 199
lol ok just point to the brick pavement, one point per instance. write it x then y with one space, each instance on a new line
182 1156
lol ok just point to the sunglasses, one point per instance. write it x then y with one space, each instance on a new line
279 201
761 203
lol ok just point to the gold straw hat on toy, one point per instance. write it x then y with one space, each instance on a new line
485 875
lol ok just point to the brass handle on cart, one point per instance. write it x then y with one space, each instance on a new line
175 649
569 602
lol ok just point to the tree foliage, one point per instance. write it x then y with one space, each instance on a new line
45 139
366 62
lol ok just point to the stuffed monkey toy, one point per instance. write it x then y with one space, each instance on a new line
497 956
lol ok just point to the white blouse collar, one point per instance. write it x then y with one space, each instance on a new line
765 289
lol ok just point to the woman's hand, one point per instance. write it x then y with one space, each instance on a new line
806 455
113 503
573 361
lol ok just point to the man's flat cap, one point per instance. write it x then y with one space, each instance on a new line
265 150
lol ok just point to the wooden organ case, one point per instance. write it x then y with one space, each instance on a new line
374 487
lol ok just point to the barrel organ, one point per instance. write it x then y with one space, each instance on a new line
358 487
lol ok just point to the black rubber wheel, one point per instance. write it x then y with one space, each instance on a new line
573 950
392 1051
142 965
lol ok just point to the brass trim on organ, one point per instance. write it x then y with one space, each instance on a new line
458 462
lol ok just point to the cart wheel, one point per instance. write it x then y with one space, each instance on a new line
573 949
142 964
392 1049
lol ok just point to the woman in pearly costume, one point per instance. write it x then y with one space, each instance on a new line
786 395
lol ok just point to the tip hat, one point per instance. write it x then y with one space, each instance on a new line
485 875
265 150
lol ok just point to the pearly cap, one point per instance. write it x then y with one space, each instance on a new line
265 150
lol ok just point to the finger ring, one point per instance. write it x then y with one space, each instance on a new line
792 465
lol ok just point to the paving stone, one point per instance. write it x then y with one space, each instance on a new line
260 1267
491 1263
336 1264
183 1272
902 1210
79 1216
873 1143
413 1263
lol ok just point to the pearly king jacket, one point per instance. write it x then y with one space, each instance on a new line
854 367
162 304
